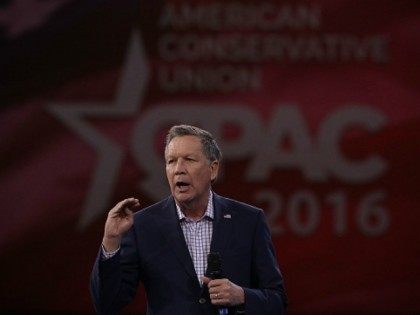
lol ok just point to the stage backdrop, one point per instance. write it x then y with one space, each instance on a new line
315 105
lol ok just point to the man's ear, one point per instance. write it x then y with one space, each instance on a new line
214 166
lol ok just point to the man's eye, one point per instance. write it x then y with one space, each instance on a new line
169 161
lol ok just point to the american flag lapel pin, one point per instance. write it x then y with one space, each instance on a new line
227 216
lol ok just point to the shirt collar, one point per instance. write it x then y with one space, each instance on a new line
208 214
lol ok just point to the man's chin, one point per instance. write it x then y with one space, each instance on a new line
183 198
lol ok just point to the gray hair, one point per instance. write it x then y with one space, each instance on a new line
210 148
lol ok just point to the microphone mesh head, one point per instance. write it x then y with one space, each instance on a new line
214 265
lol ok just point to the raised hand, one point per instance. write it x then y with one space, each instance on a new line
118 222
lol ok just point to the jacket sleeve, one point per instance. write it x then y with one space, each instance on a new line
267 294
114 281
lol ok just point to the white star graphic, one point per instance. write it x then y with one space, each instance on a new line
129 95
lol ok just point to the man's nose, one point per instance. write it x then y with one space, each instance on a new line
179 167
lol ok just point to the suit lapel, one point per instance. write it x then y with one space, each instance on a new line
172 232
222 226
170 229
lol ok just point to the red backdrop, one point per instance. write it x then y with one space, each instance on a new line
315 105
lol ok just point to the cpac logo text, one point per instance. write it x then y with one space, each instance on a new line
318 157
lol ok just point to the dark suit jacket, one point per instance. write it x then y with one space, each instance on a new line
154 251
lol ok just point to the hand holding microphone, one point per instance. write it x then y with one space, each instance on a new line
223 292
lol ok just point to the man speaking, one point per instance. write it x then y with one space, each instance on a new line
167 245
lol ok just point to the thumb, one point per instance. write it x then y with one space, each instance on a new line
205 280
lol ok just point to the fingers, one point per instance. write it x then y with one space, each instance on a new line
125 207
217 284
224 292
205 280
218 299
129 203
219 291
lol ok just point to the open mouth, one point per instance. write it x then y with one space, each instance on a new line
182 185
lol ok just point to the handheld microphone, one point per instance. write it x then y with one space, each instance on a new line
214 271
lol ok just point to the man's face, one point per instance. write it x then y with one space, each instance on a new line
189 172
